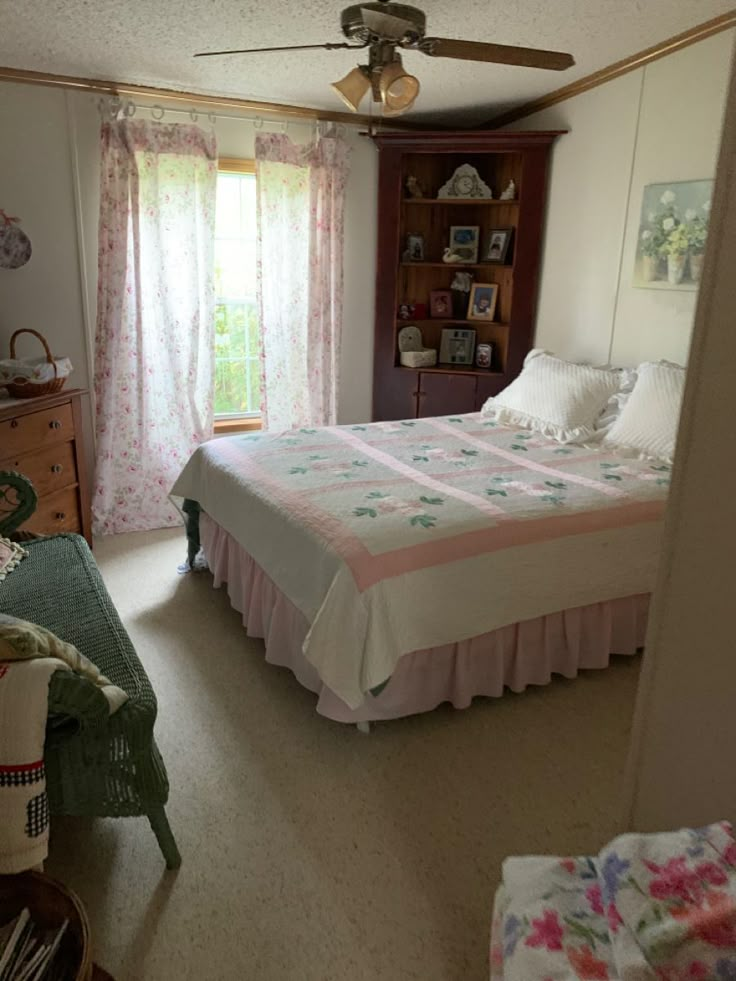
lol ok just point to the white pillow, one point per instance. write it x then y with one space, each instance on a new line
649 419
555 397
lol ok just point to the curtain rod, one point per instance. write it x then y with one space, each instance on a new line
113 104
120 89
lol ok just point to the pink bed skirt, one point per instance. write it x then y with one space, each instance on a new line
522 654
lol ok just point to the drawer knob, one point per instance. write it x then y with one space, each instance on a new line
54 424
60 515
56 468
13 423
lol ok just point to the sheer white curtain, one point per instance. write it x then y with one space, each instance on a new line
154 345
301 207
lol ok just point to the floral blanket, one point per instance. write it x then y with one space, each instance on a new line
401 536
660 907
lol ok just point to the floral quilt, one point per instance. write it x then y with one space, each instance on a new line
660 907
413 534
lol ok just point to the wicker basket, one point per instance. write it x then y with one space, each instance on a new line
50 903
26 388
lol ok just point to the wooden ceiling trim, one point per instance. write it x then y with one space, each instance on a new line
698 33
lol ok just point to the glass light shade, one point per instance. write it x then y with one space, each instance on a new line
352 88
386 112
398 88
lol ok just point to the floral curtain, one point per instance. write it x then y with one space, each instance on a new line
154 345
301 205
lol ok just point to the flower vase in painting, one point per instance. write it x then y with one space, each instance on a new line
672 232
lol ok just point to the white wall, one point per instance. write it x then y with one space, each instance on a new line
681 765
49 176
656 124
37 185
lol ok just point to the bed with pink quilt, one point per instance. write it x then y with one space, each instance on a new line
393 566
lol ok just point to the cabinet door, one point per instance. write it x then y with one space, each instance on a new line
395 395
487 386
443 395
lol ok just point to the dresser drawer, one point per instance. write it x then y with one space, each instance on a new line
49 470
55 513
37 429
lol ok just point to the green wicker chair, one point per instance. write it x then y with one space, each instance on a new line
97 765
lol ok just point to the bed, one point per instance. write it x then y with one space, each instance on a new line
396 565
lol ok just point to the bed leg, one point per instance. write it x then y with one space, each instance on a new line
364 727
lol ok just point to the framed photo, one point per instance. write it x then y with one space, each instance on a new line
499 240
464 240
482 304
440 303
483 355
414 248
410 311
457 345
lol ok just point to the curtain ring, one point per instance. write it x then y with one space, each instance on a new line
258 123
157 112
113 106
212 118
129 110
193 115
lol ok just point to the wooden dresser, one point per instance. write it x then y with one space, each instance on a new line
42 439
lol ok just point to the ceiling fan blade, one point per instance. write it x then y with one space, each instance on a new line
501 54
385 24
292 47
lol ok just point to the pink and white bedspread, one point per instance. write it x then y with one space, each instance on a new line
402 536
659 906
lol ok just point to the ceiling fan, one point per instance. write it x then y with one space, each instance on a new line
383 27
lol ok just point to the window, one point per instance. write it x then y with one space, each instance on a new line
237 368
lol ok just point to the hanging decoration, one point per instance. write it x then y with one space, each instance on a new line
15 246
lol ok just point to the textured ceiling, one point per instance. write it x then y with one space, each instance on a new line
150 42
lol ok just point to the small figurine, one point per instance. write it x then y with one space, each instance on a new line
451 257
413 187
510 193
462 281
461 285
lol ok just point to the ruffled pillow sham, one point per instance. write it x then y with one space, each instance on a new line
565 401
649 419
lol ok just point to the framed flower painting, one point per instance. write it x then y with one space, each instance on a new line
673 229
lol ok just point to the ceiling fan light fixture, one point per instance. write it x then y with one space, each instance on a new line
398 88
353 87
388 113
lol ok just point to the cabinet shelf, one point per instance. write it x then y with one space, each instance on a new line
447 321
453 369
459 265
483 202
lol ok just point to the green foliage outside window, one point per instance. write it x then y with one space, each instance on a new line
237 363
237 366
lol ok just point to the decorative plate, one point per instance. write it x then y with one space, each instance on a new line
15 246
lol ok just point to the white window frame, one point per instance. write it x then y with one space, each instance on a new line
234 421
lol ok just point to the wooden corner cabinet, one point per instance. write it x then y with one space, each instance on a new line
405 280
42 439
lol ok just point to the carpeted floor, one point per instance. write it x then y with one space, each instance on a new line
312 852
